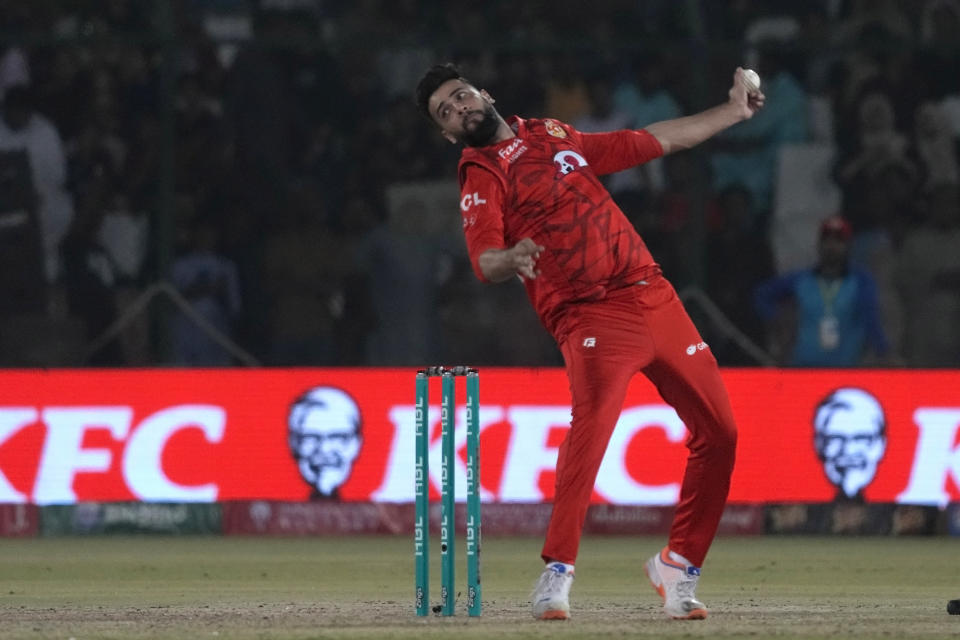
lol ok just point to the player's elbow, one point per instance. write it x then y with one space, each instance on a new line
667 146
667 140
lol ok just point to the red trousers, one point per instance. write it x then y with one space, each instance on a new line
643 328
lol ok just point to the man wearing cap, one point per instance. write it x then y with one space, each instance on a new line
837 315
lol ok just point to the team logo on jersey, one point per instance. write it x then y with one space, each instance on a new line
554 129
568 161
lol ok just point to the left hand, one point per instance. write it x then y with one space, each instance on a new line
524 256
747 102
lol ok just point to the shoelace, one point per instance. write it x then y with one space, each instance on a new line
686 588
550 582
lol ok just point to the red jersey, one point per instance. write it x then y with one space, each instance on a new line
543 185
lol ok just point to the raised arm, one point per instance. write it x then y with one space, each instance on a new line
689 131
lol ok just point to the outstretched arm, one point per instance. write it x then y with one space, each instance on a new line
689 131
498 265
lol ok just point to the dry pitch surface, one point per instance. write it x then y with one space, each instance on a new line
208 587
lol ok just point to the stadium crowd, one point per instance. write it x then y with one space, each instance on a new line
265 159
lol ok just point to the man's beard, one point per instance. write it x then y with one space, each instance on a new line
485 131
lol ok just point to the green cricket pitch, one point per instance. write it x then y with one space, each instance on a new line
362 587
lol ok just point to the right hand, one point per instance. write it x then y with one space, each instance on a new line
524 256
748 103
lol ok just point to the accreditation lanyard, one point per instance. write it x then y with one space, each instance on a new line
829 325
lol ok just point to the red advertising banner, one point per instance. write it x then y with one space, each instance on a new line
347 434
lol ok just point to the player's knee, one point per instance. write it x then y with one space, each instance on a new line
726 438
722 439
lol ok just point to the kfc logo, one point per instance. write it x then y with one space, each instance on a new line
568 161
850 438
324 437
67 455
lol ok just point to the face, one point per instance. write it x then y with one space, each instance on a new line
464 114
833 250
929 122
324 438
876 114
850 439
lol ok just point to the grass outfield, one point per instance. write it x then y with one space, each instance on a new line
361 587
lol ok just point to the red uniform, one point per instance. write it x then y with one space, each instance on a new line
601 296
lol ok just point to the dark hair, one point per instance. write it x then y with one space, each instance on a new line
431 80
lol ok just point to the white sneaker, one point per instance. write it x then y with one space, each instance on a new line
676 582
550 599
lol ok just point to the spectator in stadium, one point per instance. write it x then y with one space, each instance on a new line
933 148
834 316
303 266
209 282
928 279
748 155
533 206
14 68
566 96
746 260
878 145
937 57
407 264
90 274
22 127
646 98
605 115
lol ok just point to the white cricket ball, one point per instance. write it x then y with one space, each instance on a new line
751 80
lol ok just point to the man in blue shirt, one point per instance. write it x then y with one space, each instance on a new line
836 310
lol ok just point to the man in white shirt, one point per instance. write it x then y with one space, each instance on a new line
21 127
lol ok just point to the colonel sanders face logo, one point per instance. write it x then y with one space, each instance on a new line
850 438
324 437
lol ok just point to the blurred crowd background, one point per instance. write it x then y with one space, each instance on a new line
236 182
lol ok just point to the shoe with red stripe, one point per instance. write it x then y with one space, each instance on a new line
550 599
676 582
